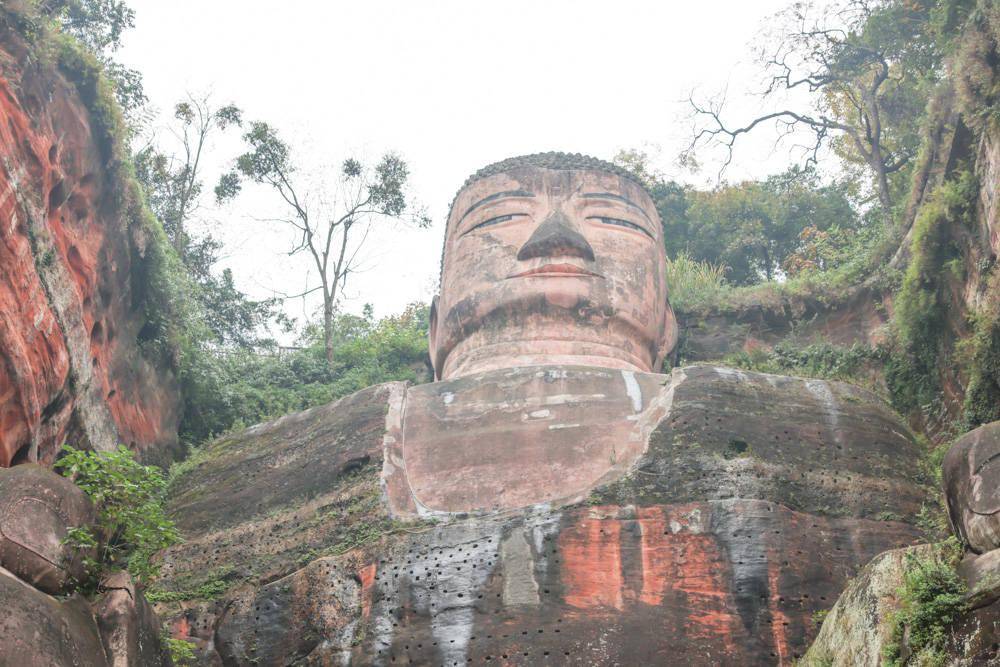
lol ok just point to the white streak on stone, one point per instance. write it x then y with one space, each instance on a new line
633 390
731 374
820 389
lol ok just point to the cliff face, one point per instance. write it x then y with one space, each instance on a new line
71 370
756 497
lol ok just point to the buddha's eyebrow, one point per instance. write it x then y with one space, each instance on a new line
494 197
611 195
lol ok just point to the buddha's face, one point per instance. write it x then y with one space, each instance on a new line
547 266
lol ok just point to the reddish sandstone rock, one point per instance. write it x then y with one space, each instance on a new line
70 367
37 509
41 631
130 631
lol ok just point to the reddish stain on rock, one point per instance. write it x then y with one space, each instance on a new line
592 564
367 577
678 560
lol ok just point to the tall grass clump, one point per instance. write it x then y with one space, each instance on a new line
692 284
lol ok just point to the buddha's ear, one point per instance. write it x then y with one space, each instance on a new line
670 335
432 336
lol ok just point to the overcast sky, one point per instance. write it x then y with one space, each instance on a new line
451 86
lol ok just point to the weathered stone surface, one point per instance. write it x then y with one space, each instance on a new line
587 586
313 612
972 487
860 625
261 503
718 531
988 166
857 629
982 574
521 436
815 446
37 509
130 631
40 631
70 367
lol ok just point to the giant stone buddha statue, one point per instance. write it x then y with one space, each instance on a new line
553 497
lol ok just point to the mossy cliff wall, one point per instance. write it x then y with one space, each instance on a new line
73 257
921 326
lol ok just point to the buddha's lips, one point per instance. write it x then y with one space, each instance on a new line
556 271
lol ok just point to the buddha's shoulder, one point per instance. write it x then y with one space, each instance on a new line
699 432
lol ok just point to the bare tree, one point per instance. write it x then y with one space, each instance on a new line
863 63
173 179
331 229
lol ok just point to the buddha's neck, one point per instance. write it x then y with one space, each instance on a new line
466 360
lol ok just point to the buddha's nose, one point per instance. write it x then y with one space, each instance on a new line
555 237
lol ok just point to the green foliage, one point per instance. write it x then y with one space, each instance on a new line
817 360
920 306
93 26
754 227
246 387
931 599
181 652
755 230
976 51
131 522
692 284
209 590
982 393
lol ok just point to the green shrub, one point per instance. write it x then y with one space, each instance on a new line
982 395
931 599
181 652
242 388
818 360
131 522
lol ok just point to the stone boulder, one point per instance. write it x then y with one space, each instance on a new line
41 631
130 630
118 630
972 487
37 509
857 630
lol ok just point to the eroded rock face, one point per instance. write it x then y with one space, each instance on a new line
860 626
130 631
37 507
37 510
972 487
734 523
70 368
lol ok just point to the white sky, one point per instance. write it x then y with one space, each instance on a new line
451 86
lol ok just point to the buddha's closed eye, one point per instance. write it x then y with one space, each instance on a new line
495 221
618 222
